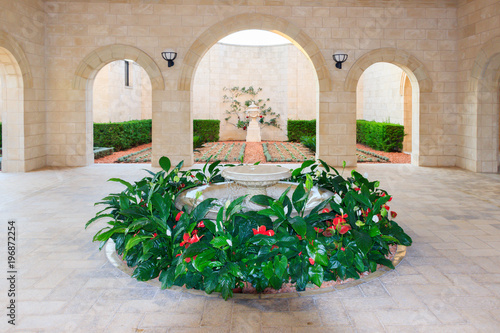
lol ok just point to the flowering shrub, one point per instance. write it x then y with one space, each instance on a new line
340 238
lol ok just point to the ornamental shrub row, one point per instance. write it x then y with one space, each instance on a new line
380 136
300 128
123 135
207 129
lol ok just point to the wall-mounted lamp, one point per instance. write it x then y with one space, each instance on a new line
169 56
339 59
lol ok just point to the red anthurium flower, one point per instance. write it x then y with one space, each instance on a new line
274 247
178 217
394 214
318 229
311 261
155 234
299 237
325 210
339 219
357 189
342 248
262 231
201 224
300 253
387 207
178 255
244 128
261 116
345 228
187 259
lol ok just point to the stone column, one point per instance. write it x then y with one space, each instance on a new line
253 130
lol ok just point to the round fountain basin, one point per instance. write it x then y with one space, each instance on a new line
256 175
229 191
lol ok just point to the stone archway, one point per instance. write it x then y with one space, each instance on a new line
482 103
416 73
262 22
90 66
16 78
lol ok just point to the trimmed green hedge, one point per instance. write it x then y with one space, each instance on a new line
207 129
122 135
299 128
380 136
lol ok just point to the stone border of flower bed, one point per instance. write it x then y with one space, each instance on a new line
116 261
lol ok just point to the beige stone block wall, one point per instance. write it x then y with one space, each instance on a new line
115 102
437 43
22 31
477 85
382 99
283 72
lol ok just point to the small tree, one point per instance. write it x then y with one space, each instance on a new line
236 109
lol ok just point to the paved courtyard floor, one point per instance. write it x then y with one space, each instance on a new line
449 280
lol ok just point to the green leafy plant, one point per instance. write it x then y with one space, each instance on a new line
339 238
380 136
237 107
206 129
123 135
309 142
298 128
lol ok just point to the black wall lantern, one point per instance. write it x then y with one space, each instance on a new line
169 56
339 59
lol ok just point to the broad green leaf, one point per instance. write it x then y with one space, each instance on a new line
299 197
135 240
298 224
220 242
104 234
280 264
203 259
165 163
363 241
261 199
118 180
146 271
202 209
167 277
358 263
267 269
316 274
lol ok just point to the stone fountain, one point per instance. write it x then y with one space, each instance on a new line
248 180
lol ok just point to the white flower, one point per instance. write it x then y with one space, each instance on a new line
229 242
375 218
337 199
169 233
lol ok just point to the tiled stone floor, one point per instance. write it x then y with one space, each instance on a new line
448 282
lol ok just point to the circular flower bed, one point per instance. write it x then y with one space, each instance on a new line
341 238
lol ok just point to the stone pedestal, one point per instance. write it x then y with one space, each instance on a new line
253 130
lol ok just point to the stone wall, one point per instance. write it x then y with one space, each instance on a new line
382 95
115 102
283 72
477 85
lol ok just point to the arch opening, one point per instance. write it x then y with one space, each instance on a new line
252 21
11 113
384 94
85 78
284 73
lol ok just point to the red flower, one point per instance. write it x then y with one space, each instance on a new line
244 128
192 176
178 217
187 259
387 207
178 255
339 219
155 234
201 224
325 210
342 248
394 214
311 261
300 253
318 229
345 228
357 189
262 231
261 116
274 247
299 237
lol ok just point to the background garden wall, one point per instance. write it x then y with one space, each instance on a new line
113 101
284 73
